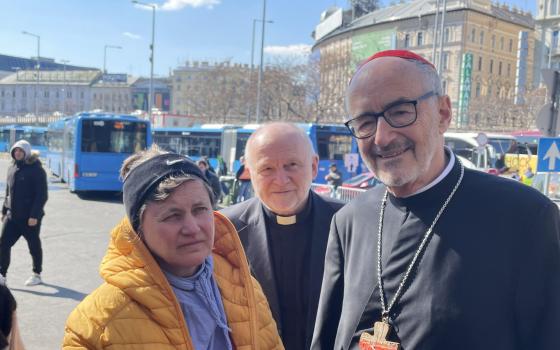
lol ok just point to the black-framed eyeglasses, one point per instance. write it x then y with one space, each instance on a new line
398 114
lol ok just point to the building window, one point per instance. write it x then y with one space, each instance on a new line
491 66
480 63
509 69
473 35
510 45
554 39
82 95
489 94
553 7
420 39
500 68
481 38
407 40
94 96
477 90
2 93
446 60
14 93
45 94
501 43
69 94
493 41
24 93
446 35
57 94
444 87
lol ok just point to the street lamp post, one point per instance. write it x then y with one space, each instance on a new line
255 20
37 67
105 56
259 83
64 62
441 34
151 93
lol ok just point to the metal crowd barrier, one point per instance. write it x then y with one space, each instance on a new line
345 194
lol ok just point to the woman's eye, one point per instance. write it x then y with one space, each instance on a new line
171 217
199 210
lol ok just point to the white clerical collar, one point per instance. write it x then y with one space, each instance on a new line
441 176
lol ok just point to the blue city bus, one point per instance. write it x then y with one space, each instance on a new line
4 139
87 150
35 135
333 144
194 142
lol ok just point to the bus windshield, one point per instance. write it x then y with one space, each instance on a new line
108 136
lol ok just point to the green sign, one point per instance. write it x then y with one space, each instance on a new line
465 88
366 44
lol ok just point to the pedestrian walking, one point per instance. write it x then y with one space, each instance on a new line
23 209
175 274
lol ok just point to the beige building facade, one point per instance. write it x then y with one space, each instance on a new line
487 49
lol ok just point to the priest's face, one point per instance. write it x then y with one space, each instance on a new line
406 158
282 165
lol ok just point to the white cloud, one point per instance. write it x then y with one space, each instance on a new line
290 50
173 5
132 35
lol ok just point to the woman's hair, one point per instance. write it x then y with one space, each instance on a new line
165 187
7 307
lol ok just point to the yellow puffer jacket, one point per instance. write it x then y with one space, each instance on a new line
136 308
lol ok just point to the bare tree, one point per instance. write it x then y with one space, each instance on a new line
362 7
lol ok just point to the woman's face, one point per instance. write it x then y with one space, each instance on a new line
179 231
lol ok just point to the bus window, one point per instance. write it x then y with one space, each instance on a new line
333 146
112 136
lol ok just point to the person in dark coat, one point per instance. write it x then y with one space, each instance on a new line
334 177
212 178
284 229
22 212
441 257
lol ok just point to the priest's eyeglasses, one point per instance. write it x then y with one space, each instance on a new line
398 114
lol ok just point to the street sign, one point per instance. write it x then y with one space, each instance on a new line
543 120
549 155
482 139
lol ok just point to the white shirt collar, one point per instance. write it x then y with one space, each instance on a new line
441 176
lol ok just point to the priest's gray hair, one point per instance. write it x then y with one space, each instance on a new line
432 79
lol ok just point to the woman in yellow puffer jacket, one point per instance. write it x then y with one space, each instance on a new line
175 273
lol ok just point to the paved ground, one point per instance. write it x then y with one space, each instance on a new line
75 234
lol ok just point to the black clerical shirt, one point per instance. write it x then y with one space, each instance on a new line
290 247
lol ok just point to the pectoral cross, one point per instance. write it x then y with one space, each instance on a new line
378 341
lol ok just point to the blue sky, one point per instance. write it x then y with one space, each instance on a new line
214 30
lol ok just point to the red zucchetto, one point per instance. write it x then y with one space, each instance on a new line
396 53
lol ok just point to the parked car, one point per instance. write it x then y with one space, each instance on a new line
364 181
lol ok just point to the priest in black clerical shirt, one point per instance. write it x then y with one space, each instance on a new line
441 257
284 230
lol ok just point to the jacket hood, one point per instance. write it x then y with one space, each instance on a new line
24 145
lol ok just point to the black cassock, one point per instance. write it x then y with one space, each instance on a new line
489 277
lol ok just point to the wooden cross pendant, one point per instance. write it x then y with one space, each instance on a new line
378 341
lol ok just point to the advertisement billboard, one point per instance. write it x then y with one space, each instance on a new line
465 89
366 44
